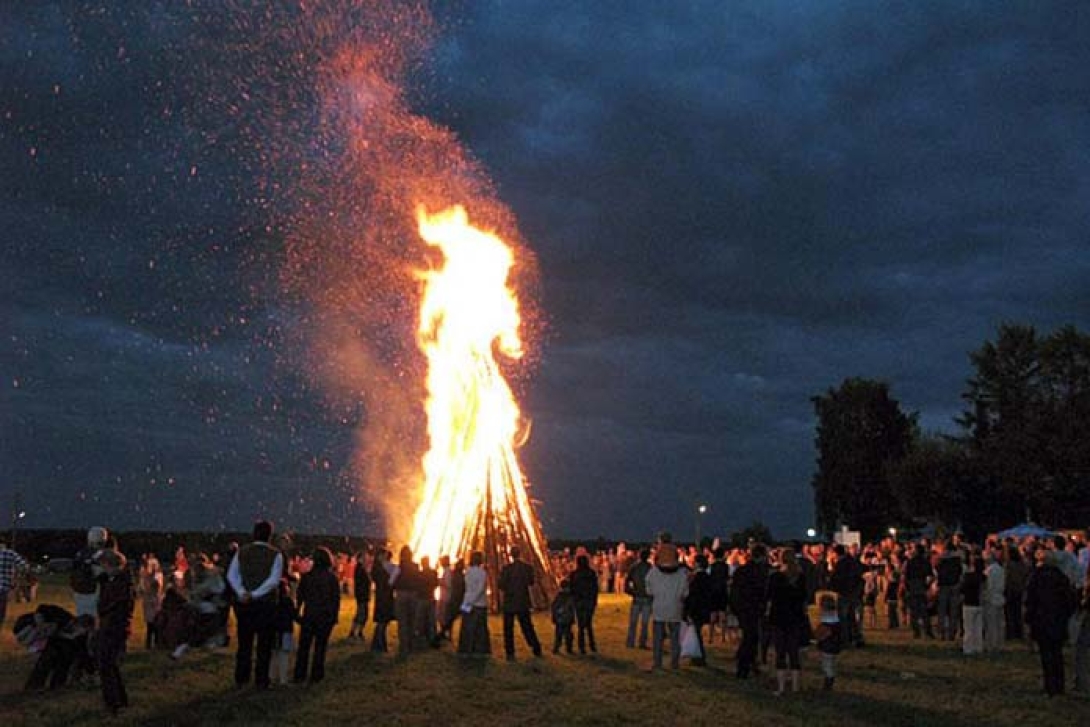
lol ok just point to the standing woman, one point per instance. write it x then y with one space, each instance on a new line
361 589
787 617
473 638
406 586
319 597
384 599
151 597
584 591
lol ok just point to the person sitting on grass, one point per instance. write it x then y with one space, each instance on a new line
59 639
563 615
319 596
204 610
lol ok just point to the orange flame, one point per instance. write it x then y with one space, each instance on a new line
472 479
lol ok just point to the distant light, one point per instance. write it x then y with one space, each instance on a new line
810 532
702 509
22 514
893 532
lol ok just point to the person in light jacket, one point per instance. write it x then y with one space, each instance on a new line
668 585
474 638
992 602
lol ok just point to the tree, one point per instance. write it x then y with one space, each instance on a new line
1028 404
756 532
861 434
939 482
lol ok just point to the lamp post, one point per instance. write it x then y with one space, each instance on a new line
811 533
700 510
893 534
17 514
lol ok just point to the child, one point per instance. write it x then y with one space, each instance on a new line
563 611
285 630
828 637
115 606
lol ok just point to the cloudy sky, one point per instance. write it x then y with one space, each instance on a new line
734 206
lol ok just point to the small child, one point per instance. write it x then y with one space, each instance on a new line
563 612
828 637
285 630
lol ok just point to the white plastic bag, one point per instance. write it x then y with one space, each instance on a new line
690 643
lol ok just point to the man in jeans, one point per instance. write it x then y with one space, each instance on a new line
948 573
635 585
668 585
917 580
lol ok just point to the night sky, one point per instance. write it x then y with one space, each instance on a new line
734 206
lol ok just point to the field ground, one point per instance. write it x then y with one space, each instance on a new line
893 681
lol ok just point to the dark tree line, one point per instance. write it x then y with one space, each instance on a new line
1022 448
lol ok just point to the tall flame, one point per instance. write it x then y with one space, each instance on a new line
474 491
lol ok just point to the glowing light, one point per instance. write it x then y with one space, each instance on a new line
474 490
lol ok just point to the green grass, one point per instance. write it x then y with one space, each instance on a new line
894 681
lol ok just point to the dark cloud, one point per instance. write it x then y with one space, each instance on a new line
734 206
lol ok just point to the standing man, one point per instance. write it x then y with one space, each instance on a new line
254 575
515 581
748 590
847 580
992 602
11 564
635 585
916 581
85 572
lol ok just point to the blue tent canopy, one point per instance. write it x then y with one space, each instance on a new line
1025 530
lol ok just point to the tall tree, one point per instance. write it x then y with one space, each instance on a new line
861 433
1027 407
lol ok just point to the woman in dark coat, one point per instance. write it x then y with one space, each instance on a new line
700 603
787 617
584 591
319 601
384 599
1050 603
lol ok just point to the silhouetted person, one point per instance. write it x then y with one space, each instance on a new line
254 574
516 578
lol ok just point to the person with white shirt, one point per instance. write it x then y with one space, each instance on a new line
992 602
254 576
474 638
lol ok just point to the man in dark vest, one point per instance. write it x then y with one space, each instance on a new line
515 581
254 575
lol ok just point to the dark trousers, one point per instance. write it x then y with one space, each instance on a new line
405 610
917 614
564 636
318 636
54 663
747 650
378 639
584 618
473 637
1013 610
526 625
1052 665
255 622
109 647
788 640
850 610
892 610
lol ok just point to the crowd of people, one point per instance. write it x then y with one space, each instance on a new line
786 600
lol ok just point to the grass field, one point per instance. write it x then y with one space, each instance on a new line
893 681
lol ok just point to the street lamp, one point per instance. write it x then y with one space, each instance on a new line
700 510
811 533
893 533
